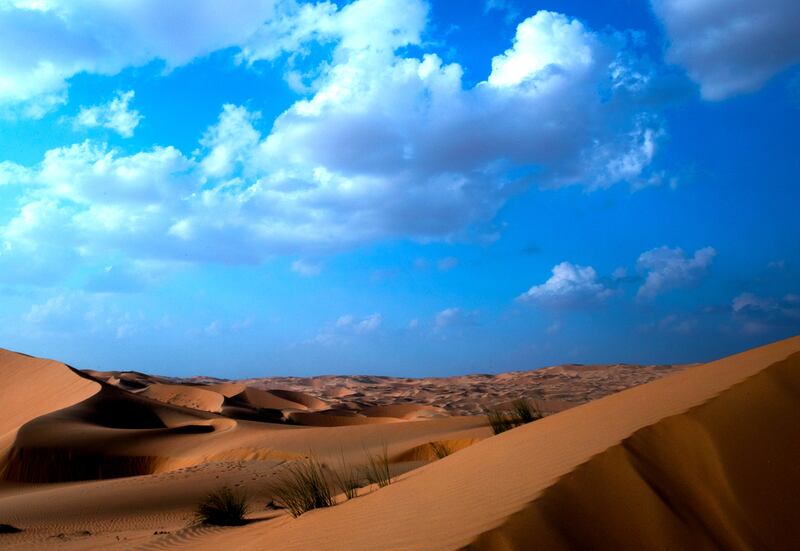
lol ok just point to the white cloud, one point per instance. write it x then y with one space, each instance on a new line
750 301
731 46
76 313
387 145
306 268
43 44
230 142
448 317
113 115
668 268
570 286
345 320
346 327
545 43
368 324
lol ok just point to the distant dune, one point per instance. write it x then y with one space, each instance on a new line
704 458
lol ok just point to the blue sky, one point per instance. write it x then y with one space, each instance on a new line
397 186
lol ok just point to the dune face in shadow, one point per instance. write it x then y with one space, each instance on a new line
723 475
111 434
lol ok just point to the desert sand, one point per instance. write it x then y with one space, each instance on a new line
700 457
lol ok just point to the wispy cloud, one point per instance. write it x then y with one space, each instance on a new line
114 115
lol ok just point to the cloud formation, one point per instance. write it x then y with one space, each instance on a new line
44 43
731 47
668 268
757 314
114 115
569 286
384 144
346 327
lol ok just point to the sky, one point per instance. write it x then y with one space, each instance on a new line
397 187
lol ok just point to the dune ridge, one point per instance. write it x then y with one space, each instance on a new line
585 477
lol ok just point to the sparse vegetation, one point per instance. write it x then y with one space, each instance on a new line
441 449
376 471
304 487
348 480
522 412
525 412
499 421
224 507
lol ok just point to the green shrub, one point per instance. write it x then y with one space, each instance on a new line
224 507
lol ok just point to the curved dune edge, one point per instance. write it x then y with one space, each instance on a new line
31 387
685 478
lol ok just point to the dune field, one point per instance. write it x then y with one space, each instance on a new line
626 457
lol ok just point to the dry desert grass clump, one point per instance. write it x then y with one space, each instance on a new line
521 413
303 488
348 479
376 471
224 507
441 449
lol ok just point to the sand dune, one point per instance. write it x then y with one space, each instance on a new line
185 396
704 458
700 460
31 387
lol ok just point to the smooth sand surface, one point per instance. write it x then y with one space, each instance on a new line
704 458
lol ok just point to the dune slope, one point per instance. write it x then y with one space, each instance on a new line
702 459
30 387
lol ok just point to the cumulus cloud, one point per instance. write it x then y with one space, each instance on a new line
668 268
731 47
385 145
569 286
114 115
44 43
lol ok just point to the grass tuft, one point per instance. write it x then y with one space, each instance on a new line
224 507
376 471
347 478
441 449
525 412
499 421
522 412
303 488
